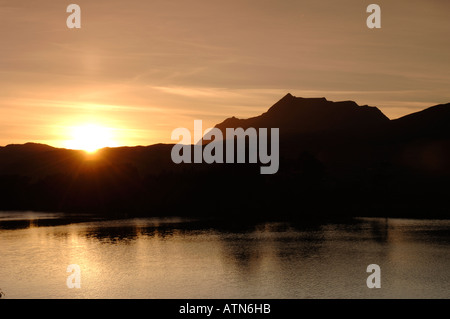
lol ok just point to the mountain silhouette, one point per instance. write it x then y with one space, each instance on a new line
294 115
337 160
429 123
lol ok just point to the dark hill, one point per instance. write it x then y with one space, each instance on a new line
432 122
294 115
337 159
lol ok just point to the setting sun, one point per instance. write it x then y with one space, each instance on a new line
90 138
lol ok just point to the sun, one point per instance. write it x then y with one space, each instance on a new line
90 138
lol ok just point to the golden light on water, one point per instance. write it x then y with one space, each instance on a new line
91 137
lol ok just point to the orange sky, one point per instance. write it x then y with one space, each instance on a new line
144 68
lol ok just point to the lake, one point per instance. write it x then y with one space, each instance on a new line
179 258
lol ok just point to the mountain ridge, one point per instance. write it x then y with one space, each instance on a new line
290 103
317 114
359 163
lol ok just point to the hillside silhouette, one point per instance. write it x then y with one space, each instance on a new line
295 115
337 160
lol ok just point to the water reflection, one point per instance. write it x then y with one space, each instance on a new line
244 253
24 220
379 229
172 257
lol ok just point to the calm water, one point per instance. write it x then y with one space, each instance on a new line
174 258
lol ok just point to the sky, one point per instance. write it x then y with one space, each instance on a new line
140 68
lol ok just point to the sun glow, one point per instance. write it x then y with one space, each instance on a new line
90 138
